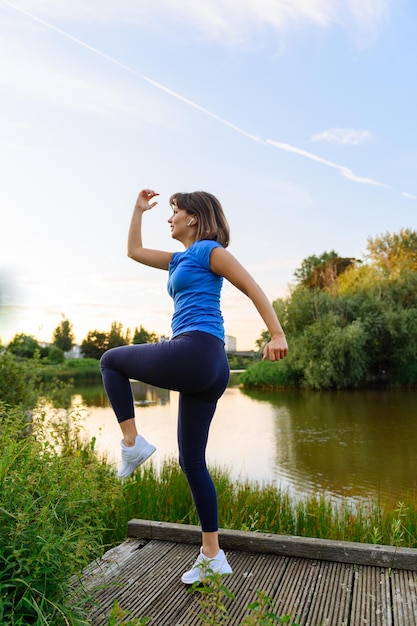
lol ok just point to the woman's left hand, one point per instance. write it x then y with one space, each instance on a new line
276 349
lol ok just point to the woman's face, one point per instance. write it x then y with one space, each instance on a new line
181 228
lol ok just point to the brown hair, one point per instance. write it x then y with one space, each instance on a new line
211 220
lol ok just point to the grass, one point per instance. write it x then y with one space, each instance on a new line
164 496
61 507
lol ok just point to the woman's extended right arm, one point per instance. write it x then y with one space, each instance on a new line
135 249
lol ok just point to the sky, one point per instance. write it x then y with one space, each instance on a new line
299 116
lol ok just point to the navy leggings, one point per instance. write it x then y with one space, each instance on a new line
195 364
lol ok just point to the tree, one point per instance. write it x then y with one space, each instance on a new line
95 344
307 266
322 272
63 337
394 251
325 274
333 356
25 346
143 336
264 338
304 307
116 338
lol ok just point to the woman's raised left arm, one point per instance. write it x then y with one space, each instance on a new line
225 264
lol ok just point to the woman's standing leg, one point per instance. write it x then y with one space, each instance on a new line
194 419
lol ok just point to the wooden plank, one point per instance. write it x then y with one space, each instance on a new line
332 595
404 597
303 547
294 596
253 573
150 576
371 600
163 596
99 572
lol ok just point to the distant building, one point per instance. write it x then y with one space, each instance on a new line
230 343
74 353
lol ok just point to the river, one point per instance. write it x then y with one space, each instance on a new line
354 444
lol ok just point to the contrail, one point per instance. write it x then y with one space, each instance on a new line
343 170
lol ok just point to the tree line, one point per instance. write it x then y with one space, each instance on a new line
93 346
349 322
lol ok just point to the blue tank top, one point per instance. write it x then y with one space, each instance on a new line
195 290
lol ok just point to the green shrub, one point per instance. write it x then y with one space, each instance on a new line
268 374
407 374
19 381
57 509
55 355
74 370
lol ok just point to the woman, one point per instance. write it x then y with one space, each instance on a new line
194 361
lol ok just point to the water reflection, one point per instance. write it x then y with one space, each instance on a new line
94 395
358 444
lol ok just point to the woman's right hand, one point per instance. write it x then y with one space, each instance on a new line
144 198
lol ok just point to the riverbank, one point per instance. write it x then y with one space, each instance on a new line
77 370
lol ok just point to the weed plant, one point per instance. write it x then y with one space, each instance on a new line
213 599
119 615
211 594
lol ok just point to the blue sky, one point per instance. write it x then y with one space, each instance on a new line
300 117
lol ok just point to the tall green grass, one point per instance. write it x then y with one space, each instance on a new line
164 496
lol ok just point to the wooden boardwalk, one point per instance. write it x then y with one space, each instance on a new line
317 582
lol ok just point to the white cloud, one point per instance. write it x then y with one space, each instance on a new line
410 196
368 13
226 21
236 19
346 136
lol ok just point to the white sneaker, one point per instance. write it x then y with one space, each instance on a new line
134 456
218 564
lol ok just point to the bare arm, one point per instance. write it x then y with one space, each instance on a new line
135 249
225 264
